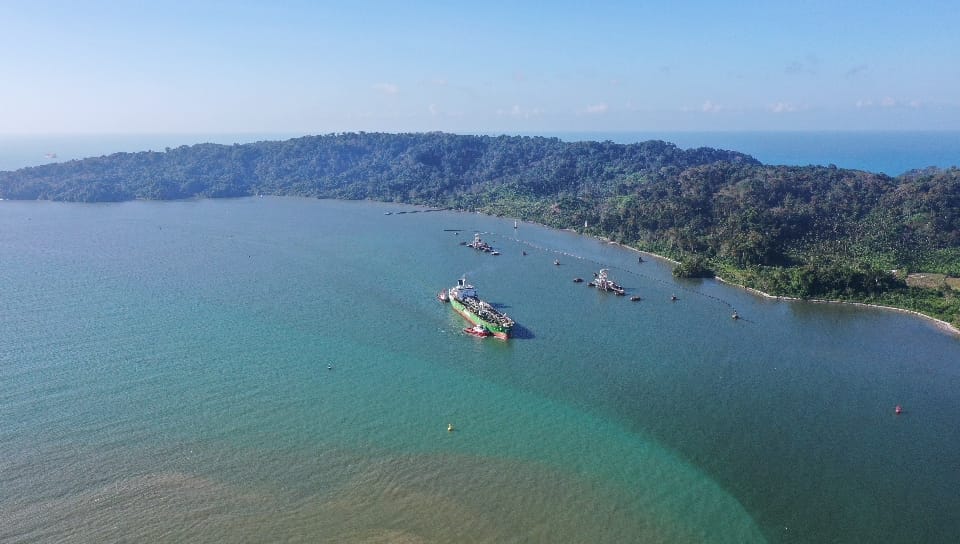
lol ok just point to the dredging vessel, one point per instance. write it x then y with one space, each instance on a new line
602 282
480 245
463 298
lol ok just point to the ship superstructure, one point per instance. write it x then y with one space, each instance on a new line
604 283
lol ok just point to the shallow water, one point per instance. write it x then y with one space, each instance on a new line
272 369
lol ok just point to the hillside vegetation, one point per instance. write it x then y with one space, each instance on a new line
809 232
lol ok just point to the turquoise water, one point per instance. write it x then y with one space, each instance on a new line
164 377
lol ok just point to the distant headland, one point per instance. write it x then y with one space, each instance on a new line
808 232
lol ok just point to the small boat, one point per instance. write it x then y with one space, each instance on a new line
577 280
556 262
634 298
494 252
442 296
477 331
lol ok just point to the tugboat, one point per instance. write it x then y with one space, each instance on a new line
478 331
463 298
602 282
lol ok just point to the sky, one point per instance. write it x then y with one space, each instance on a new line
317 67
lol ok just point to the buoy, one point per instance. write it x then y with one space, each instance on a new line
898 410
449 427
735 315
329 367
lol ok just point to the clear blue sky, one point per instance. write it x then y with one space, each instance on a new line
303 67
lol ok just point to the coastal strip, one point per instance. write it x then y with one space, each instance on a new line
940 324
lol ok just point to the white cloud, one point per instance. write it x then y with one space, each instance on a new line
783 107
597 108
710 107
886 102
520 113
387 88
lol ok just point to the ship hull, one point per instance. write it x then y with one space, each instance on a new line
496 330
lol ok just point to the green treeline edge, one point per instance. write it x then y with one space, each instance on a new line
809 232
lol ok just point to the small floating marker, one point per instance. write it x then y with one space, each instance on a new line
898 410
449 427
329 367
735 315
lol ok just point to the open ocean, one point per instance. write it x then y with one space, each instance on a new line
279 370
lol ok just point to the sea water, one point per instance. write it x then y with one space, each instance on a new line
273 369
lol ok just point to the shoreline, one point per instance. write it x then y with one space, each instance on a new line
938 323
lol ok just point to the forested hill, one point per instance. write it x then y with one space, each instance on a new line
423 168
814 231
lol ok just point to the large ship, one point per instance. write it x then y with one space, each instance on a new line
480 245
602 282
463 297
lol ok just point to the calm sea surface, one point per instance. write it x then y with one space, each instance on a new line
278 369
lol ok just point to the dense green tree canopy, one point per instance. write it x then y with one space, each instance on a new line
809 231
